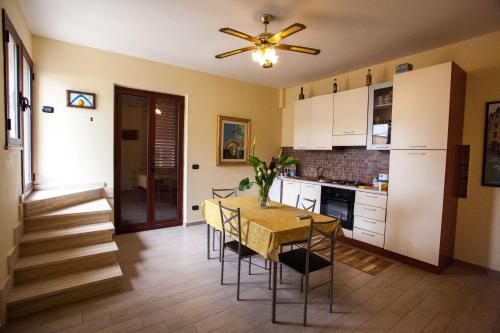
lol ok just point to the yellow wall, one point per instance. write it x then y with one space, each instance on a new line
478 227
69 148
10 160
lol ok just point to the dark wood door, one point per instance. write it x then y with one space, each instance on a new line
148 159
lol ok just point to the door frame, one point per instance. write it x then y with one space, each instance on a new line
151 95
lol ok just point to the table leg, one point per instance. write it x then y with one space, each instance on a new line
275 276
208 241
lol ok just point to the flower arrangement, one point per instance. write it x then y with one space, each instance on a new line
265 174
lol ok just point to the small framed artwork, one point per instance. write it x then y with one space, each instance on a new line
491 148
80 99
233 140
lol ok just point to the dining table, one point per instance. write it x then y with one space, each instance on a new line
264 230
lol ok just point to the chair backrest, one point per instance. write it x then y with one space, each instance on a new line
231 223
319 245
305 203
224 192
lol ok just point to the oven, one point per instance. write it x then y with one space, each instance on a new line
337 202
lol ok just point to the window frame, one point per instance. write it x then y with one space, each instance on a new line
27 187
9 30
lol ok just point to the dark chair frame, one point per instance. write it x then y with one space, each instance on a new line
216 193
306 208
243 252
332 236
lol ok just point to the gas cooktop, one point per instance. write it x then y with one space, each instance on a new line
347 182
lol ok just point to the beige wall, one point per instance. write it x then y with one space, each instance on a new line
478 229
10 160
72 149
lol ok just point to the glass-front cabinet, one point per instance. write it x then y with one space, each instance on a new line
379 116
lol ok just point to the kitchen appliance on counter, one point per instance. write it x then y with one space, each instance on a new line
339 202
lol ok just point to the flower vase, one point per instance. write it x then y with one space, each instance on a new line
264 199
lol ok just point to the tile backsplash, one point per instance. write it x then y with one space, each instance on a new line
353 163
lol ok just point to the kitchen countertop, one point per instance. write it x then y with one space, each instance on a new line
314 181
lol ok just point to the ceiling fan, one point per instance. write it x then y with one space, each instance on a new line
266 43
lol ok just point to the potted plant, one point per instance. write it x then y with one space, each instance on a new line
265 174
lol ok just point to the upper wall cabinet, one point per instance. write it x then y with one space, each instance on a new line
421 108
379 116
301 124
350 114
313 121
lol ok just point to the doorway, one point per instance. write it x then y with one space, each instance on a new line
148 151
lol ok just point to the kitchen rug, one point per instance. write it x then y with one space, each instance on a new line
356 258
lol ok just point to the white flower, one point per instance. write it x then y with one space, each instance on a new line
268 172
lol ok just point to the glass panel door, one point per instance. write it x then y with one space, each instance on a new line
166 134
380 116
27 125
133 187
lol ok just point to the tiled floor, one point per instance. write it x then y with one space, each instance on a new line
171 287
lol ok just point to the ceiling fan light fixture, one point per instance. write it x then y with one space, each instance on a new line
266 56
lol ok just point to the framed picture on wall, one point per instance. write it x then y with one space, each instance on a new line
233 140
80 99
491 149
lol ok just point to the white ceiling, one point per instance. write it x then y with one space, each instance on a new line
350 33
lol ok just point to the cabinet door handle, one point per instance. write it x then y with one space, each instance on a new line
417 153
348 132
372 222
418 146
371 196
370 209
364 233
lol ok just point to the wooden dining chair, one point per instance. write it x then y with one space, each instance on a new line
305 261
218 193
307 205
231 228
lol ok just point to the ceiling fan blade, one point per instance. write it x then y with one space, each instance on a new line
296 48
239 34
233 52
294 28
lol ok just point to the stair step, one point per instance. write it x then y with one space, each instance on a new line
37 242
40 266
31 297
43 201
84 213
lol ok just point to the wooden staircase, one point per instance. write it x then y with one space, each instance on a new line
67 252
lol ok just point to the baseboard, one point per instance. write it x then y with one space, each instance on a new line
488 271
192 224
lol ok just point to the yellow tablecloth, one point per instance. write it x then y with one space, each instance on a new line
263 230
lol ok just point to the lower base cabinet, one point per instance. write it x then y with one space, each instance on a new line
369 237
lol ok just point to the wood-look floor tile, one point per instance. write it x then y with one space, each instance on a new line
411 323
170 287
382 322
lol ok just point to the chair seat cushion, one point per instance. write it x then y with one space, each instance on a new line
245 251
296 259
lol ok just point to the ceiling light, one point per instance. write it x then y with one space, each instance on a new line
265 56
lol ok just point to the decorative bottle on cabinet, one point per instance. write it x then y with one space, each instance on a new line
301 95
369 77
334 86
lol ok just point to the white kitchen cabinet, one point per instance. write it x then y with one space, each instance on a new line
321 122
301 123
421 106
313 121
291 190
369 225
415 203
371 199
375 213
275 190
312 192
350 116
369 237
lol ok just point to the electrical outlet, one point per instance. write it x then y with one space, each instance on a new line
195 207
